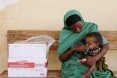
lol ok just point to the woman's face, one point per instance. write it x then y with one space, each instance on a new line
77 27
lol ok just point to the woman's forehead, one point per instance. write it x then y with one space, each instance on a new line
77 24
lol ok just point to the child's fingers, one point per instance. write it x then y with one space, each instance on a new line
86 75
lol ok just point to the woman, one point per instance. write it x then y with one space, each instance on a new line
73 32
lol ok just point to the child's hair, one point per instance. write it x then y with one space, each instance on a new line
97 36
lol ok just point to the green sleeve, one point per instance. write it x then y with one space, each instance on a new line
104 41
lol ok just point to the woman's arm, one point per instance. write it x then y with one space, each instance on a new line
92 60
103 51
65 56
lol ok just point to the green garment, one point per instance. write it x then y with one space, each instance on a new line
71 68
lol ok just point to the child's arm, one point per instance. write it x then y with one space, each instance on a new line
88 73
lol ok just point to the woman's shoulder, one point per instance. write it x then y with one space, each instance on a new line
90 23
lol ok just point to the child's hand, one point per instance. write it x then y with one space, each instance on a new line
91 60
87 74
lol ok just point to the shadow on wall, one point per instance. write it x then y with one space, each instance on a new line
5 3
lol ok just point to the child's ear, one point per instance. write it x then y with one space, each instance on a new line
98 45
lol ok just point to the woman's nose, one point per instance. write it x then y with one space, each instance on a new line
78 30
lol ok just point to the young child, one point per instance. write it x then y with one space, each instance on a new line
92 42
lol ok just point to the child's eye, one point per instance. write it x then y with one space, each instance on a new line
89 43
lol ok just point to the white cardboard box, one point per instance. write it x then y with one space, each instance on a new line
27 67
27 50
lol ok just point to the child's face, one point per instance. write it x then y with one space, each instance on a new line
90 41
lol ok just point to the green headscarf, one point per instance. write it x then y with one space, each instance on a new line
68 38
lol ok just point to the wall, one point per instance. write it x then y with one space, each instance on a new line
48 15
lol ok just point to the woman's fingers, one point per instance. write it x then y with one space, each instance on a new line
83 48
80 48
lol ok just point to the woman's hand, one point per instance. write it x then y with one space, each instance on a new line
65 56
80 48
